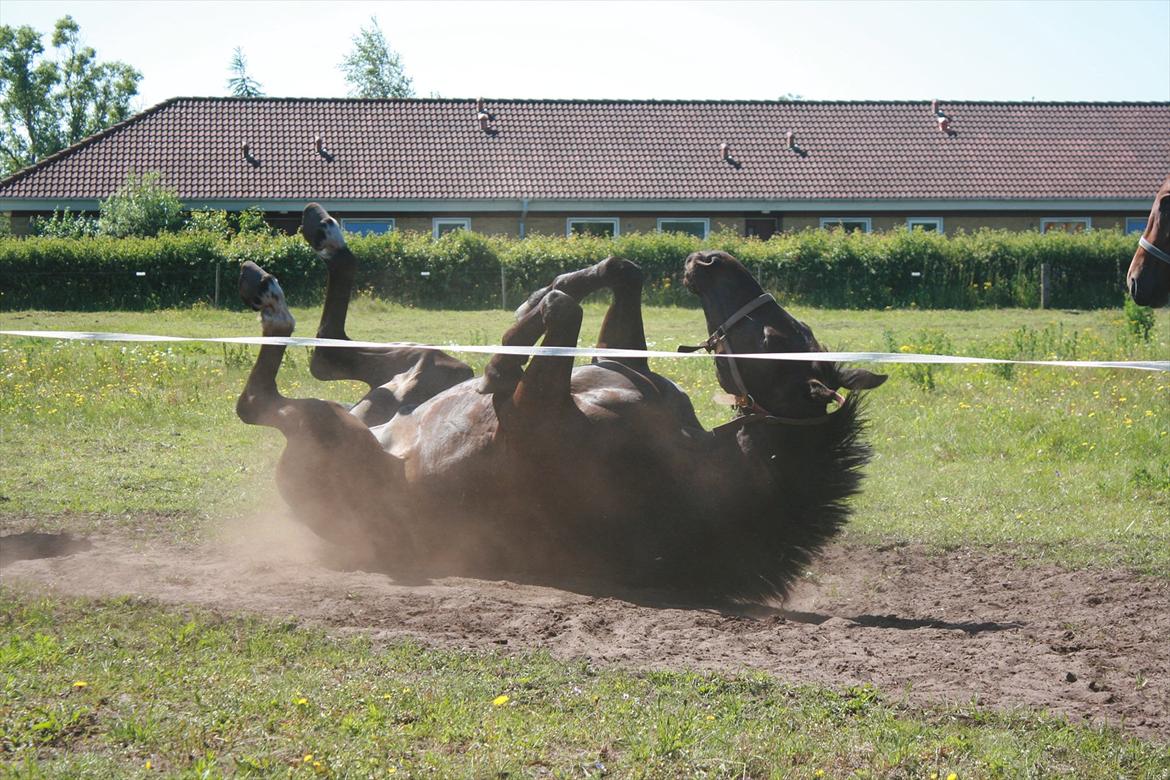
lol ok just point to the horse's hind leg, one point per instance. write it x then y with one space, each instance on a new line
622 327
396 375
331 461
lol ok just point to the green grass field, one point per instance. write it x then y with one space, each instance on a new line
1066 466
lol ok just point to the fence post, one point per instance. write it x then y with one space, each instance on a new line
216 301
503 287
1045 286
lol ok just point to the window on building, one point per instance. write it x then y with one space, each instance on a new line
441 226
928 224
1136 224
848 224
698 227
367 227
592 226
1065 224
759 227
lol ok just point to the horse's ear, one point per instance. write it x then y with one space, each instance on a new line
860 379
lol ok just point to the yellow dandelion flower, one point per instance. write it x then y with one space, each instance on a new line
710 717
80 684
952 776
301 702
391 770
308 757
148 764
819 773
500 700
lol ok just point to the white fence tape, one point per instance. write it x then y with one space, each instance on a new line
585 352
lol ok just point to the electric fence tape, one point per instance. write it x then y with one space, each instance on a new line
590 352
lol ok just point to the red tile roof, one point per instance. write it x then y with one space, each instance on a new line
616 149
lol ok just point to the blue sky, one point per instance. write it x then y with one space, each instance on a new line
666 50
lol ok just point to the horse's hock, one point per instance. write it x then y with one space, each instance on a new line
546 472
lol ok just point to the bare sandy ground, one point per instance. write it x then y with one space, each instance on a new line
930 628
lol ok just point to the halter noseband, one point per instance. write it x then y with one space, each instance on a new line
1161 254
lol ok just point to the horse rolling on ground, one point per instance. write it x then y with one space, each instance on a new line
1148 280
598 475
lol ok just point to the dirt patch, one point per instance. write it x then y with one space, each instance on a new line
923 626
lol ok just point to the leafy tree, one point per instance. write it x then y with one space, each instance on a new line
65 224
143 206
48 104
241 84
373 69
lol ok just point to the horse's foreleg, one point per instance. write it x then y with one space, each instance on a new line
623 327
396 375
261 402
547 378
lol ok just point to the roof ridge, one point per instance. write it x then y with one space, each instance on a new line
87 141
669 101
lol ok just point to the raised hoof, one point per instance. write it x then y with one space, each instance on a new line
254 281
321 231
261 291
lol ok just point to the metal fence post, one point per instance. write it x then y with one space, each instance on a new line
1045 286
215 303
503 286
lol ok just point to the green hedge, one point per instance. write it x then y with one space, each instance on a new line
463 270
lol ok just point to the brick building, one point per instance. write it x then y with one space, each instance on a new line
520 167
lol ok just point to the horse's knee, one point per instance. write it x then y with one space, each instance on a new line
326 365
253 408
620 272
560 312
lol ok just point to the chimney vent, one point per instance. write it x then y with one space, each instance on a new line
724 151
790 139
483 118
934 107
246 148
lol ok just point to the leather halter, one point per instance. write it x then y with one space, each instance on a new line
1154 251
744 403
743 398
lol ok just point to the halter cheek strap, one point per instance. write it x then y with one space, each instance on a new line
744 399
1153 250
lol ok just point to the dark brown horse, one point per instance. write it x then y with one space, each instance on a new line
551 473
1148 280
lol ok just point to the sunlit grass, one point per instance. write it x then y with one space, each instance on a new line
1071 465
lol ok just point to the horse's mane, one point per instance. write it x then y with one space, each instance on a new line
814 469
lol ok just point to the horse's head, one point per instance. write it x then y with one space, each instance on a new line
742 319
1148 280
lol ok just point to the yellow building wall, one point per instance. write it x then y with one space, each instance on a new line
508 223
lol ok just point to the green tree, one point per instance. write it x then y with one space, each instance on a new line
241 84
143 206
373 69
47 104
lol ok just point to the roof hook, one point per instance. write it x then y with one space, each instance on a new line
247 149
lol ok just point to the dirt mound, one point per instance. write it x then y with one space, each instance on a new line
924 626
